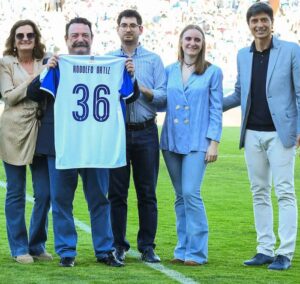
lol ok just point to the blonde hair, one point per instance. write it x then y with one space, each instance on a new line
201 64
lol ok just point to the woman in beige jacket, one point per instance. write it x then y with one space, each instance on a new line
22 61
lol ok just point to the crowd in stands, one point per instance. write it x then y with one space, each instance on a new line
223 21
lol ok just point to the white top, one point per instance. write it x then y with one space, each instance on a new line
88 116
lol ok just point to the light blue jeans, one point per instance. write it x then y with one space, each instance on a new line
15 207
268 160
186 172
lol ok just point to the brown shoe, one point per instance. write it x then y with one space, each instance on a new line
191 263
44 256
24 258
176 261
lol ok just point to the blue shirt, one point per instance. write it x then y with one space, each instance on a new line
88 118
150 73
194 110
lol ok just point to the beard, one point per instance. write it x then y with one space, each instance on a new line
82 52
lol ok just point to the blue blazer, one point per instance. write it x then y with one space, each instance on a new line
194 110
282 89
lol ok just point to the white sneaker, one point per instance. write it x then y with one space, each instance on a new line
44 256
24 258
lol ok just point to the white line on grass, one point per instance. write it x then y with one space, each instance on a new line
231 156
175 275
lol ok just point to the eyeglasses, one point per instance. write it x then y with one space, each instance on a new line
130 26
20 36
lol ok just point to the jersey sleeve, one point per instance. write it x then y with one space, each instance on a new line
50 82
126 90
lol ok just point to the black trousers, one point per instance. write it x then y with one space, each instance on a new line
143 158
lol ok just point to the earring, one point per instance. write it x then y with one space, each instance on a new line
15 49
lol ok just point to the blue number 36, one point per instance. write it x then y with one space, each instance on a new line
98 101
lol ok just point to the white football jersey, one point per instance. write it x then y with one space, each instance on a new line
89 110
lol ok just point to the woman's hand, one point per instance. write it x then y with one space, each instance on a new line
212 152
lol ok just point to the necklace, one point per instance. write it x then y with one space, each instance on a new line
188 65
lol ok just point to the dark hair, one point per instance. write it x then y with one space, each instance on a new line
129 13
258 8
39 48
79 20
201 64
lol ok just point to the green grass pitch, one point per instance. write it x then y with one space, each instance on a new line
232 237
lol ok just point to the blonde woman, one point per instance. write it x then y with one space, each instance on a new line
190 138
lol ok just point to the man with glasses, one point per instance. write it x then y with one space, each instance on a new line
142 142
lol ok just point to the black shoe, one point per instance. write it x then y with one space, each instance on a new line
149 255
120 254
281 262
67 261
259 259
110 260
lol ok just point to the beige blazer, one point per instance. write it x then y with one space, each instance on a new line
18 122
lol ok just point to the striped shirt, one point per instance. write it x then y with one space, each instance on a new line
150 73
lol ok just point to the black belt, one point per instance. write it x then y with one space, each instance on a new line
140 125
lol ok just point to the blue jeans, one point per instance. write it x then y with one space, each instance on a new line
15 207
186 172
95 187
143 156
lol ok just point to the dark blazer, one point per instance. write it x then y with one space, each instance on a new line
45 137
